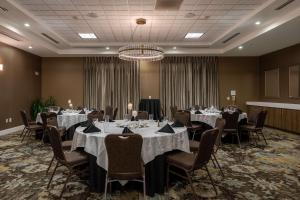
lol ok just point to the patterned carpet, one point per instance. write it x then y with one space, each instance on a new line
264 172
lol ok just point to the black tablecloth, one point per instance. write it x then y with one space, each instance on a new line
154 171
152 106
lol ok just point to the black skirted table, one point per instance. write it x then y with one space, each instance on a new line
152 106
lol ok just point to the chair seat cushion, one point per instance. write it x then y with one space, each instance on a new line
181 160
76 158
35 127
194 146
249 127
66 145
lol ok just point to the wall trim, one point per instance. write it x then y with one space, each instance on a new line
11 130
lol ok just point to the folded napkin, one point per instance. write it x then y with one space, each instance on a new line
126 130
166 129
86 123
177 124
198 112
91 129
82 112
110 120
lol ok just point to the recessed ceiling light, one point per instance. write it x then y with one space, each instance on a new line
107 48
87 35
240 47
174 48
30 47
193 35
27 25
257 23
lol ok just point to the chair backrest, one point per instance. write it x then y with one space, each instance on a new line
95 114
173 111
220 124
143 115
49 119
253 114
115 113
261 118
55 141
197 107
109 111
206 147
231 120
24 118
183 117
124 156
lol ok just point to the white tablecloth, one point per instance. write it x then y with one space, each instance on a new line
66 119
154 143
211 118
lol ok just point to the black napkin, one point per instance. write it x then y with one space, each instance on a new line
198 112
86 123
82 112
59 112
166 129
110 120
177 124
91 129
126 130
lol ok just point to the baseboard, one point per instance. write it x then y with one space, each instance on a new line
11 130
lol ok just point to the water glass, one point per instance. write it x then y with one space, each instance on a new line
151 117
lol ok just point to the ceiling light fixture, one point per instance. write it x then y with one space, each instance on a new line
87 35
174 48
107 48
1 67
30 47
138 52
27 25
240 47
257 23
193 35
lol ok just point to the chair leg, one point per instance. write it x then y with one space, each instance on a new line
22 132
24 135
167 178
213 162
264 137
215 158
191 184
193 135
67 180
211 180
238 137
52 175
50 165
105 189
144 187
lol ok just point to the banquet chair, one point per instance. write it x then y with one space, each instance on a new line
257 128
115 113
231 125
194 145
109 111
30 122
184 118
173 111
71 160
143 115
252 115
189 162
124 159
29 127
95 115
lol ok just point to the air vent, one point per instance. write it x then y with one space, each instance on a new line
164 5
284 4
50 38
231 37
2 9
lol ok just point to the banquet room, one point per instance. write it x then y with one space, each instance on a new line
149 99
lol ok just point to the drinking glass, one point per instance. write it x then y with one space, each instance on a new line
151 117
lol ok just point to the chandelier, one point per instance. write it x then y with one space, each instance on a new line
138 52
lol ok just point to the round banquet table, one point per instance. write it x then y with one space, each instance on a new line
67 119
155 145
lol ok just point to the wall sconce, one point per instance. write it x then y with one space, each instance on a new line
1 67
233 96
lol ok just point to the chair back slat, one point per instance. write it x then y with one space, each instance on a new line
206 147
231 120
24 118
55 141
124 155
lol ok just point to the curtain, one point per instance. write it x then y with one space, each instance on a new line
111 81
188 81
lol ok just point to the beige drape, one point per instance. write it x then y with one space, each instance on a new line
111 81
188 81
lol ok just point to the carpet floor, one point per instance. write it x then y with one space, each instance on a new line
262 172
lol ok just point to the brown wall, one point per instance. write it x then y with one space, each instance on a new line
281 59
62 78
240 74
19 86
